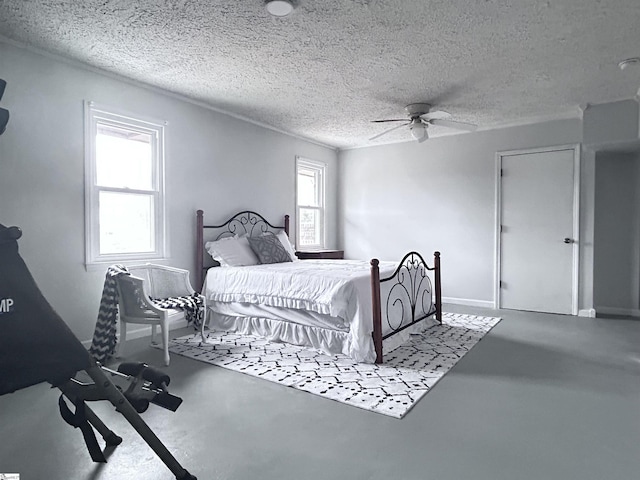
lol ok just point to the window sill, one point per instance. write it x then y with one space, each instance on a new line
102 265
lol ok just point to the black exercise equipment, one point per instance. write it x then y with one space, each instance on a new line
36 346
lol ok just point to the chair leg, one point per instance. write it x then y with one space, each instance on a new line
153 334
203 325
123 339
164 327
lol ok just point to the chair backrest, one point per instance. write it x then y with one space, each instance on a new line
162 281
131 297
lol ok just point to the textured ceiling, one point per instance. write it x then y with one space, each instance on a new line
332 66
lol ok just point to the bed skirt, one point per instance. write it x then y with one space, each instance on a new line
329 341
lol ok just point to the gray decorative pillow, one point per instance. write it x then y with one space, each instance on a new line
269 249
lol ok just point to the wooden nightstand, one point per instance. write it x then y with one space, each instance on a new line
321 254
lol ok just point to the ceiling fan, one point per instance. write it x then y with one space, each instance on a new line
420 117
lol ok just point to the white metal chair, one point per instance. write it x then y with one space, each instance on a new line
134 305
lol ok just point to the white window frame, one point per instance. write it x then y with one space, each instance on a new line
95 114
321 169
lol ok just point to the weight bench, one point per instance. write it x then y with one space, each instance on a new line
37 346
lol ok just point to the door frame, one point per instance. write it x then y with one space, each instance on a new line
576 217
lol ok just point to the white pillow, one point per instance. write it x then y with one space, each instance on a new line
232 252
284 239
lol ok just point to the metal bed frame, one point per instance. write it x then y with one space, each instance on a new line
411 292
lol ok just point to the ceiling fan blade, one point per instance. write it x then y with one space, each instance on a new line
439 114
387 131
390 120
469 127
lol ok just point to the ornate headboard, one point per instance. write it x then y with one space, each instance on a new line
246 222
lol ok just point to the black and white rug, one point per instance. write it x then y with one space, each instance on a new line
408 373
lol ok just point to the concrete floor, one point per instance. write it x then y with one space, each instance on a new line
540 397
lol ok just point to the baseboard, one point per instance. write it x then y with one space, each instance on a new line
142 331
627 312
587 312
468 302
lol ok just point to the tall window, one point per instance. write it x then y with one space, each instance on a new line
310 204
124 193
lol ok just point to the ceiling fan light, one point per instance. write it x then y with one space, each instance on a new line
418 131
279 8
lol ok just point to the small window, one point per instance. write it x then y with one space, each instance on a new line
310 204
124 195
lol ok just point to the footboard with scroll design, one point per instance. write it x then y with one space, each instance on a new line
410 296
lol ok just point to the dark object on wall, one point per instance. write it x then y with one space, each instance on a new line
4 114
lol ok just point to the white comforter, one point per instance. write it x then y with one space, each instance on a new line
337 288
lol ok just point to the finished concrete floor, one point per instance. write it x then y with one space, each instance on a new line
540 397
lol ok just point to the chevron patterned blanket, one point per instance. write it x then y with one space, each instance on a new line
104 341
191 304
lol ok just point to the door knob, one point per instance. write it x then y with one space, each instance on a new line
568 240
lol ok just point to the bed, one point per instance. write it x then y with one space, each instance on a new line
353 307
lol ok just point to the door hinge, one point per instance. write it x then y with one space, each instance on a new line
501 172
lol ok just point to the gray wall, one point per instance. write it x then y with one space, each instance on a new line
608 130
438 195
617 233
611 123
213 161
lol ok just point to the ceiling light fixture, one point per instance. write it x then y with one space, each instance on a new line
279 8
418 130
629 62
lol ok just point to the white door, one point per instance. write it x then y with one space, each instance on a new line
538 228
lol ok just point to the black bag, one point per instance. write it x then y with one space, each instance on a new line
36 345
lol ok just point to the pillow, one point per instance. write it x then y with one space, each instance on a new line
284 239
269 249
232 252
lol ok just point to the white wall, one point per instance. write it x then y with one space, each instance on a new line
438 195
214 162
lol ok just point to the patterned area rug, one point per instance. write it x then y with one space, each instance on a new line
393 388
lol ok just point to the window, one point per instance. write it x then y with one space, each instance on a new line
124 192
310 204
